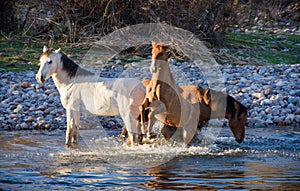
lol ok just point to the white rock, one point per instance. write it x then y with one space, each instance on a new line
280 83
268 110
18 109
295 75
24 125
262 70
258 95
289 118
266 102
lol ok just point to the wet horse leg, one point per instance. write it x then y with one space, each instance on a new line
153 104
69 124
72 126
156 107
151 122
151 95
133 129
142 117
123 134
76 127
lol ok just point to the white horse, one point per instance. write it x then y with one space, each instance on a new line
83 91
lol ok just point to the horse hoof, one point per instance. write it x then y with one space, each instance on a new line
121 138
151 136
127 143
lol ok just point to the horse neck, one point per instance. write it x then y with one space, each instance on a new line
218 105
69 72
164 74
61 79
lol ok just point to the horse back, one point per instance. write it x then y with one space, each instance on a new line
189 93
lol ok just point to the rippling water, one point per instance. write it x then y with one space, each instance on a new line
269 158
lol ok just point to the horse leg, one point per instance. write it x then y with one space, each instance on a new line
157 92
68 131
151 122
133 127
72 126
123 134
76 126
168 131
128 142
132 139
142 112
69 126
157 107
139 135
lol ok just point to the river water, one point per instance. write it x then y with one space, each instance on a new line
269 158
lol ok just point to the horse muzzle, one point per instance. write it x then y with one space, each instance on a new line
239 140
40 78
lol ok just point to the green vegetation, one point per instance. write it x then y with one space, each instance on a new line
17 55
265 48
23 56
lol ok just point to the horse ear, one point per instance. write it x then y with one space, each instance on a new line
45 49
58 50
236 106
160 46
206 96
153 43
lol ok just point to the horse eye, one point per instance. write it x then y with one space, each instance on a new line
50 62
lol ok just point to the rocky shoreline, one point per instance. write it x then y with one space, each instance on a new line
273 93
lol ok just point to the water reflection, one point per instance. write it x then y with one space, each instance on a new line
268 159
197 173
226 174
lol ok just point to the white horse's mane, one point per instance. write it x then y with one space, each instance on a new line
71 68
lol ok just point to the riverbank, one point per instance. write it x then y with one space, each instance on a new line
272 91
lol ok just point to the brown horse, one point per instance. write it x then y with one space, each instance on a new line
174 110
210 101
211 104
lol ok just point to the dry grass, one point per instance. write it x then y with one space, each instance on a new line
81 21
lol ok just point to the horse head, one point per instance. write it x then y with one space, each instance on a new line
49 62
237 116
159 56
236 113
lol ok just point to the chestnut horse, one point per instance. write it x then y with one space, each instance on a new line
212 104
211 101
235 112
171 107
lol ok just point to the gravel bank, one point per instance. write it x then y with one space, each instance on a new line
272 91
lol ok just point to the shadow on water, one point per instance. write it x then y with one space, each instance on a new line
269 158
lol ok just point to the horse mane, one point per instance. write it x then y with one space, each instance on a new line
69 65
205 95
230 108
